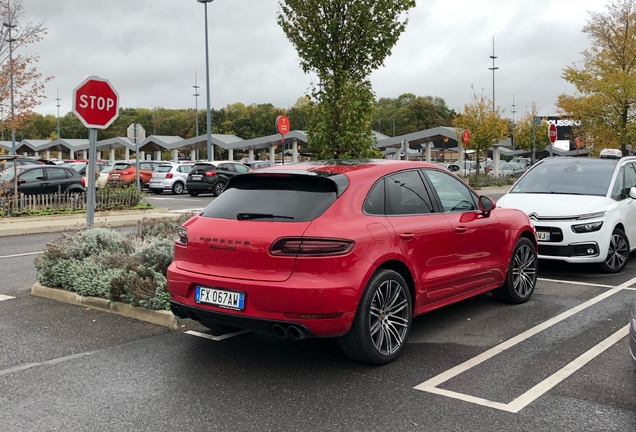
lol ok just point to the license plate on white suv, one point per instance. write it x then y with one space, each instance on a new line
218 297
543 236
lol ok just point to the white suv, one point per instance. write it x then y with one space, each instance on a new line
170 177
583 209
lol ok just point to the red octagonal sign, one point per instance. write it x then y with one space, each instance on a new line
96 103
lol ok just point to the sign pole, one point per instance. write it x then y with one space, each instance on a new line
90 193
137 155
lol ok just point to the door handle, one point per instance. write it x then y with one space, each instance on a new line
461 230
407 236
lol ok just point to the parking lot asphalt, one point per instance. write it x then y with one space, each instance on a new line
557 363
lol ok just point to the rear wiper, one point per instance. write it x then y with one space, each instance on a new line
246 216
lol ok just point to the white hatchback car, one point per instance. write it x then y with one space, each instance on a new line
583 209
171 177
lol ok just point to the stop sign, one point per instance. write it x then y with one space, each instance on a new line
96 103
552 133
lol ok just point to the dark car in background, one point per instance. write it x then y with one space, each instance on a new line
9 161
212 177
41 179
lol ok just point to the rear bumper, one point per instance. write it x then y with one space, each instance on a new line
243 322
200 186
325 307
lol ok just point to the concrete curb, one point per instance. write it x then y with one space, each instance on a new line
158 317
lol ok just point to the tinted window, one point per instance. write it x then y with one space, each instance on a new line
298 198
163 168
406 194
454 195
580 176
374 204
226 167
32 176
56 173
121 166
201 168
241 168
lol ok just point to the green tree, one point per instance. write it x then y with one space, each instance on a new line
524 134
300 113
343 41
486 126
28 82
606 82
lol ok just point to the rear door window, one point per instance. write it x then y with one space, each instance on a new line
56 173
184 168
146 166
295 198
226 167
241 168
406 194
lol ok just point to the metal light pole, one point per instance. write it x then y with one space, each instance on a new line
58 112
493 69
11 26
196 110
207 80
2 119
513 121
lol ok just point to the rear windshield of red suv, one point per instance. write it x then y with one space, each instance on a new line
288 198
121 166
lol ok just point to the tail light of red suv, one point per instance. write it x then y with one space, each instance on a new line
311 246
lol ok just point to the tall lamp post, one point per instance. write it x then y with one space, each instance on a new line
58 113
196 110
493 69
207 80
11 26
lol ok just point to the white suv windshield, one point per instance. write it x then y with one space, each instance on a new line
568 176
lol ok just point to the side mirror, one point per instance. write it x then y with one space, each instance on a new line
486 204
632 192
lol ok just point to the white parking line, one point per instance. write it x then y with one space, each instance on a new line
5 297
537 391
575 283
216 338
20 255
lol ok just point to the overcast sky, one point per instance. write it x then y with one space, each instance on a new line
150 51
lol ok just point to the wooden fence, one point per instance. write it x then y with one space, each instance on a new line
107 199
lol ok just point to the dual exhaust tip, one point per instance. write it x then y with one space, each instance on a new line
291 331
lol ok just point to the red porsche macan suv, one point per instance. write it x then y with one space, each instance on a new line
352 249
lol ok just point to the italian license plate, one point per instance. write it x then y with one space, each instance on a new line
222 298
197 177
115 176
543 236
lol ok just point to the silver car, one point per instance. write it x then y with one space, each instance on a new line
170 177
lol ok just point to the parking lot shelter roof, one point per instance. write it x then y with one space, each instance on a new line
114 143
416 139
29 145
201 142
65 145
160 143
266 141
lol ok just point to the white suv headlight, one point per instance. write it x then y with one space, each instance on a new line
587 227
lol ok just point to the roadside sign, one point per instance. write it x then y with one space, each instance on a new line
282 125
136 133
96 103
552 133
466 136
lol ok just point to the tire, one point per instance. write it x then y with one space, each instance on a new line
618 253
219 187
157 191
366 340
177 188
193 193
521 278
